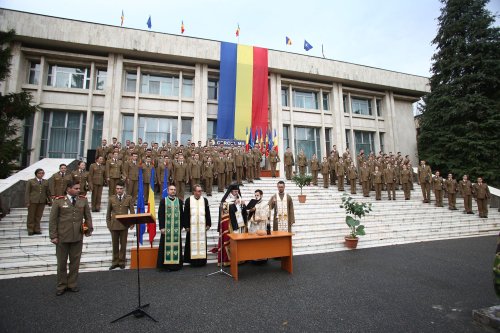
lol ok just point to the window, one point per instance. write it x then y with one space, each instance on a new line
63 134
378 103
100 81
187 87
348 139
130 82
68 77
305 99
328 142
159 85
326 101
213 89
344 102
156 129
361 106
284 97
34 72
27 140
186 133
97 130
211 129
286 137
364 140
307 139
127 128
381 137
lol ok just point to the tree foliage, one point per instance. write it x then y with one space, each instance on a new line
14 108
460 121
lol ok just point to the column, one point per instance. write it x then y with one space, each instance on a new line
322 138
377 131
38 116
88 127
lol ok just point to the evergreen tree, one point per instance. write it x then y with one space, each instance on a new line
460 121
14 108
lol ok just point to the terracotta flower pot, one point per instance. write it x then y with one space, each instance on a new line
350 242
302 198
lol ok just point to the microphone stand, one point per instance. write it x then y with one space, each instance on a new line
221 269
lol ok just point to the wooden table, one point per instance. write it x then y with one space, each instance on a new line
254 247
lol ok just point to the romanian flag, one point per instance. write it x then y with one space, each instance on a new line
182 27
151 207
123 18
288 41
238 31
243 94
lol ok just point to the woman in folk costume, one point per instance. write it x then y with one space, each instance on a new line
258 213
232 216
282 204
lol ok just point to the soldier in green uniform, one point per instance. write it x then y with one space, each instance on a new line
195 166
208 175
364 176
37 195
289 163
181 176
119 204
114 172
96 182
325 171
481 193
315 168
70 219
58 181
332 160
220 169
424 180
389 175
465 188
377 181
250 163
451 188
340 172
81 176
352 175
437 186
302 162
406 177
273 161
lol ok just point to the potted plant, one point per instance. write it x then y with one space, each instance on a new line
354 212
302 181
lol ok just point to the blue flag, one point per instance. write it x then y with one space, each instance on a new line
164 193
150 25
140 205
307 46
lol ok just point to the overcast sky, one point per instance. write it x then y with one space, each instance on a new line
389 34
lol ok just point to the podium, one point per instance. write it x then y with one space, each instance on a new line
137 220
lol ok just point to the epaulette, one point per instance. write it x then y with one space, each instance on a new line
60 197
82 196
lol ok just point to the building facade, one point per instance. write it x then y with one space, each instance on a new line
96 81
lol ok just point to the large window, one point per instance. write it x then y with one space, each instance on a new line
213 89
186 133
382 145
159 85
361 106
378 103
348 139
344 102
63 134
211 129
187 87
100 80
305 99
326 101
365 141
130 82
27 140
34 72
286 137
284 97
97 129
307 139
68 77
151 129
328 142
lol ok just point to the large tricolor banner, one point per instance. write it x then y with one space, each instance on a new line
243 94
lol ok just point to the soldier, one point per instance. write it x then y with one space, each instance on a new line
465 188
195 167
119 204
229 168
339 171
96 182
389 179
406 176
114 172
332 161
451 187
58 181
360 159
37 195
481 193
131 173
165 166
273 161
315 168
325 171
239 164
70 219
250 163
424 180
147 168
181 176
81 176
352 175
289 163
377 181
302 162
102 150
364 175
437 186
208 175
220 170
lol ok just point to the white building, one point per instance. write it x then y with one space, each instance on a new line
93 80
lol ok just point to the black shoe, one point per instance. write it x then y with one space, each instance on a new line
113 267
60 292
37 232
31 233
122 266
73 290
470 212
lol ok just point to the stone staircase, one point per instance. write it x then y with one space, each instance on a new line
320 227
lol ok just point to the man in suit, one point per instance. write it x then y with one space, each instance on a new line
96 182
70 219
181 176
424 180
119 204
131 173
289 163
114 172
481 194
58 181
81 175
37 195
